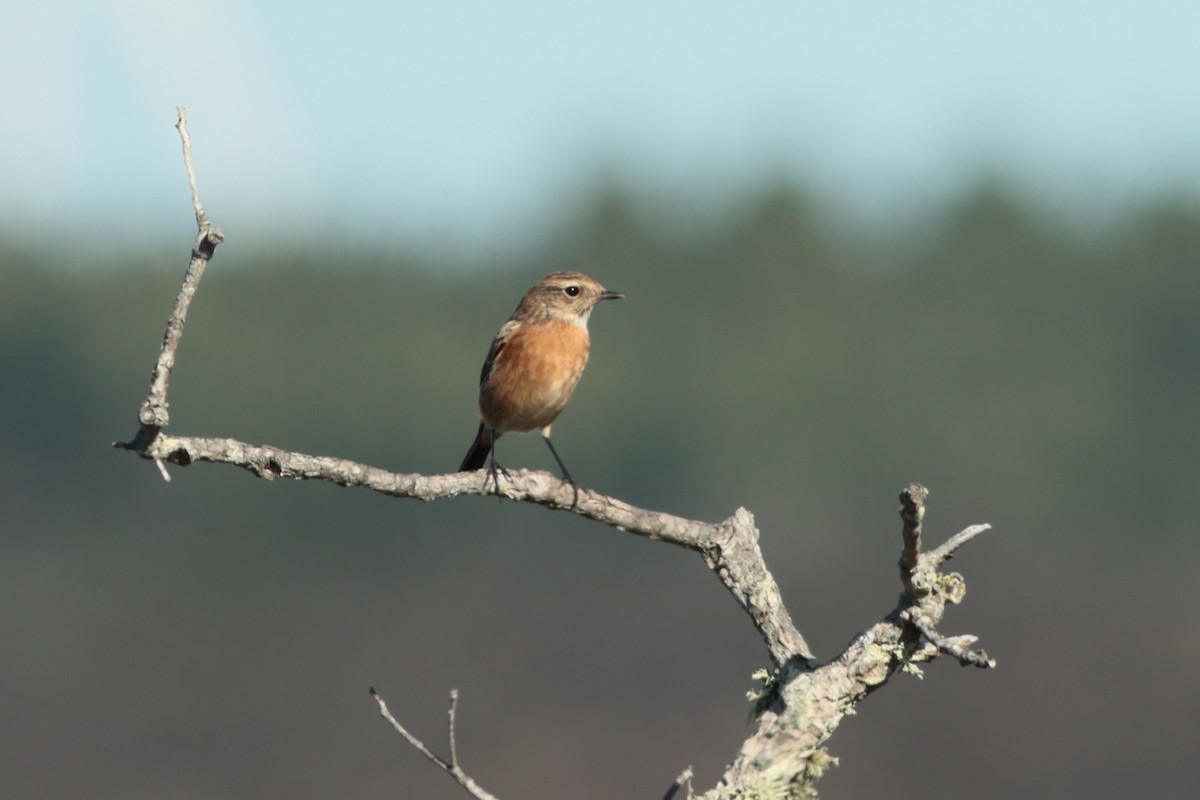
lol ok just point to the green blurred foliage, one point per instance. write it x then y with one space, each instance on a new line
215 636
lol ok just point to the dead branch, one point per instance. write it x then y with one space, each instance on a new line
450 767
801 703
153 414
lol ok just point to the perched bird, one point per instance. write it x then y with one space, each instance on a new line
534 364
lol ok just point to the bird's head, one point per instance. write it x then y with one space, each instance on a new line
563 296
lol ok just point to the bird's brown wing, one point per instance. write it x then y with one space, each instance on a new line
498 345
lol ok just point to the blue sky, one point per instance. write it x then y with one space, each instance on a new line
422 119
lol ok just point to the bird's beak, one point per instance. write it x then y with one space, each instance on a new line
607 295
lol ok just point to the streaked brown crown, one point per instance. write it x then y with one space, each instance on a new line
563 296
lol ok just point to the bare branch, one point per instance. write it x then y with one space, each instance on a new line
730 548
153 415
912 512
801 704
452 713
450 767
684 779
955 646
185 137
927 590
945 551
801 709
162 469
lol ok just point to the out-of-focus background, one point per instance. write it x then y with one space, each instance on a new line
862 244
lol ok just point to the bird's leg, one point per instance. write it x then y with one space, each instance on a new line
566 475
494 468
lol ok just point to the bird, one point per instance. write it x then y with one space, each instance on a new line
534 364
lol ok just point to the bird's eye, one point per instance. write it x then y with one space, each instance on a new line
572 290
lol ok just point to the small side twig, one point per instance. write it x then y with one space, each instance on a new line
912 512
926 590
153 415
186 138
945 551
684 779
450 767
453 739
958 647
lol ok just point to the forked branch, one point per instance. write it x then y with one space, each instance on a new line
153 415
801 703
450 767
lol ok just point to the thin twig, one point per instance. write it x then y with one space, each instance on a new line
684 779
153 414
412 740
912 512
162 469
945 551
181 126
958 647
451 767
926 590
453 738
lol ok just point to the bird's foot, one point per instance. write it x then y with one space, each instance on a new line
494 470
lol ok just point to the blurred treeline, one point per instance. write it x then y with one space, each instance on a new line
215 636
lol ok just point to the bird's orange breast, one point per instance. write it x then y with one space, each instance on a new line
533 376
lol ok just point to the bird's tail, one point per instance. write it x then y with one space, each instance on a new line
477 456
